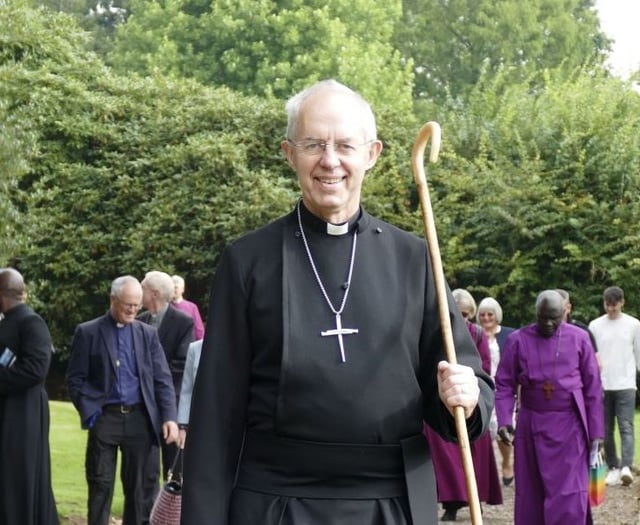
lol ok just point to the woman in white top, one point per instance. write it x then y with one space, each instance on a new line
490 317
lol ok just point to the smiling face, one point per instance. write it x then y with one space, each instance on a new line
487 319
331 181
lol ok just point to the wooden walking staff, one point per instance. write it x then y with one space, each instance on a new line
431 130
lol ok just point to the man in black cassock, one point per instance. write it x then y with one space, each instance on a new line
323 352
26 497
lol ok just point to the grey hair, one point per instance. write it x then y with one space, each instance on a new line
491 305
120 282
294 104
550 296
160 282
177 280
464 298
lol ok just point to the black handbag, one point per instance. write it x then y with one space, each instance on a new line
166 507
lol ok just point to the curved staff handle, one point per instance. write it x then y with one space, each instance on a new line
431 130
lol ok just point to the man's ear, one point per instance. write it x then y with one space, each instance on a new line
375 148
287 149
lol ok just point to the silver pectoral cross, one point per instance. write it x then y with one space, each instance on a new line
339 331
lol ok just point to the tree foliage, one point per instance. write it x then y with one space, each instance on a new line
267 47
453 42
100 18
14 166
108 173
538 193
28 39
134 174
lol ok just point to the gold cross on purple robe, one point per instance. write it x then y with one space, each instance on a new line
339 331
548 389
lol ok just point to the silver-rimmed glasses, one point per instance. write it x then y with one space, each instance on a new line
129 306
314 148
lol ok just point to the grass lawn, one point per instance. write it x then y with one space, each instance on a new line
68 443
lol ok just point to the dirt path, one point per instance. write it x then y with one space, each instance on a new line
621 507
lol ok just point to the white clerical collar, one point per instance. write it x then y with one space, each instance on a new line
337 229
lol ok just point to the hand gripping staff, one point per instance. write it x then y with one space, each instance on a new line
431 130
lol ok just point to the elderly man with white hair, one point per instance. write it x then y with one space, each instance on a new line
175 330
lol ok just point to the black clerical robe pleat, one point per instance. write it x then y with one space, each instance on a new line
26 497
267 370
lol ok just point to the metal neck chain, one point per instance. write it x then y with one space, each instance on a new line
555 358
315 270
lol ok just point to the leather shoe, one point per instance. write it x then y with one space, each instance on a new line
507 481
449 515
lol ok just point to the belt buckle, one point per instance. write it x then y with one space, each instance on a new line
124 409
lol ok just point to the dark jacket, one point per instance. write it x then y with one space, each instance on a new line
92 367
176 334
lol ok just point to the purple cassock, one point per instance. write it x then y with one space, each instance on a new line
447 461
561 412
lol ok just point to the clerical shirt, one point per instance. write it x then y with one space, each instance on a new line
267 371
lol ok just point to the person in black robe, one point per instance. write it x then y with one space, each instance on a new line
323 352
26 496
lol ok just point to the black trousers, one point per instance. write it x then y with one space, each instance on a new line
131 434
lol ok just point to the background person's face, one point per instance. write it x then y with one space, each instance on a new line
464 311
548 317
613 309
147 296
125 308
487 319
178 289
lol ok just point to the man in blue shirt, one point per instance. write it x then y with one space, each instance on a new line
120 383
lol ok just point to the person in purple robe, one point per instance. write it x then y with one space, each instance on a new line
188 307
561 417
447 462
